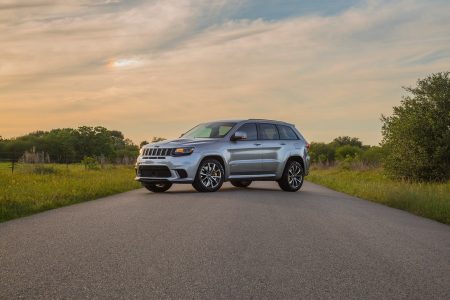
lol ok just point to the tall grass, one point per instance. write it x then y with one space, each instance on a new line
33 188
430 200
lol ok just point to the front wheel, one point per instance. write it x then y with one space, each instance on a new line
158 187
210 176
241 183
292 179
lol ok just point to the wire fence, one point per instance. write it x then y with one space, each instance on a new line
8 160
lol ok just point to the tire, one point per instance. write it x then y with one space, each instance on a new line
292 179
210 176
241 183
160 187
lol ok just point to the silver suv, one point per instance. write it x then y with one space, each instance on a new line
239 151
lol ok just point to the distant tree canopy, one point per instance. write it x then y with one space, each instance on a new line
345 148
347 141
157 139
143 143
71 145
417 135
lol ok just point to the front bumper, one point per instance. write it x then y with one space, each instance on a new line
182 168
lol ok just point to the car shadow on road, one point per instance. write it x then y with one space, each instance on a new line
223 190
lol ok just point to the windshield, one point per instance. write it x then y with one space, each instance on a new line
214 130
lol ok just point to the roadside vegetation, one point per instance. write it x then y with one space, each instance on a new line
410 170
35 188
69 145
48 169
430 200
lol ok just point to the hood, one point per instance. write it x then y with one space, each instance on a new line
181 143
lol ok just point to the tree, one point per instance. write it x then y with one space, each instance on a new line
346 140
157 139
321 153
417 135
143 143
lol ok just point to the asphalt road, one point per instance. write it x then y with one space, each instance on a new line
237 243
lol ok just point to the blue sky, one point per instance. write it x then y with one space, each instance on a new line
155 68
276 10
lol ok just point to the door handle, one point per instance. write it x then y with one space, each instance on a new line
257 144
282 144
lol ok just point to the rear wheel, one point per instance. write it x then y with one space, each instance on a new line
241 183
157 187
292 179
210 176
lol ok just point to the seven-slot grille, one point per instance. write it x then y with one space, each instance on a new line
158 152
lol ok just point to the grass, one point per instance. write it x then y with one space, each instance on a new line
36 188
430 200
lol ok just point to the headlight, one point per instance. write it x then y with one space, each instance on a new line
141 151
183 151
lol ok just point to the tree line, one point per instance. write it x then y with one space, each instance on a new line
68 145
346 150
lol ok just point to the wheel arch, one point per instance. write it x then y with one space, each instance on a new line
297 158
216 157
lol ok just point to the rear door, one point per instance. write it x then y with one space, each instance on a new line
245 157
271 148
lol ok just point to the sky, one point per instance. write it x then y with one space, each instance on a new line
158 68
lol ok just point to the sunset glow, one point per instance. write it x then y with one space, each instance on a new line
155 68
123 63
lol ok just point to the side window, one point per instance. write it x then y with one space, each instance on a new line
286 133
250 130
267 132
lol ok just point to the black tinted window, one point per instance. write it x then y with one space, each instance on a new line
250 130
286 133
267 132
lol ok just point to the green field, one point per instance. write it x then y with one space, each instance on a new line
35 188
430 200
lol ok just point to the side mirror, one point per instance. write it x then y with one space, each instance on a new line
239 136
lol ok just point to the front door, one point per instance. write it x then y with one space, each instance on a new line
245 156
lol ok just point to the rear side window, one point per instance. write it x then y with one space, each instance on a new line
250 130
286 133
267 132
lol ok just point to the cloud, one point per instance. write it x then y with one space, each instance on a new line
14 5
148 65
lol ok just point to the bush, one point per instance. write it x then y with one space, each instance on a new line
373 156
89 163
347 163
43 170
321 153
417 135
348 151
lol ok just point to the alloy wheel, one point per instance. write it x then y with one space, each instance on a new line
210 175
295 176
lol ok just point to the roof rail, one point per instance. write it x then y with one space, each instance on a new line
267 120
